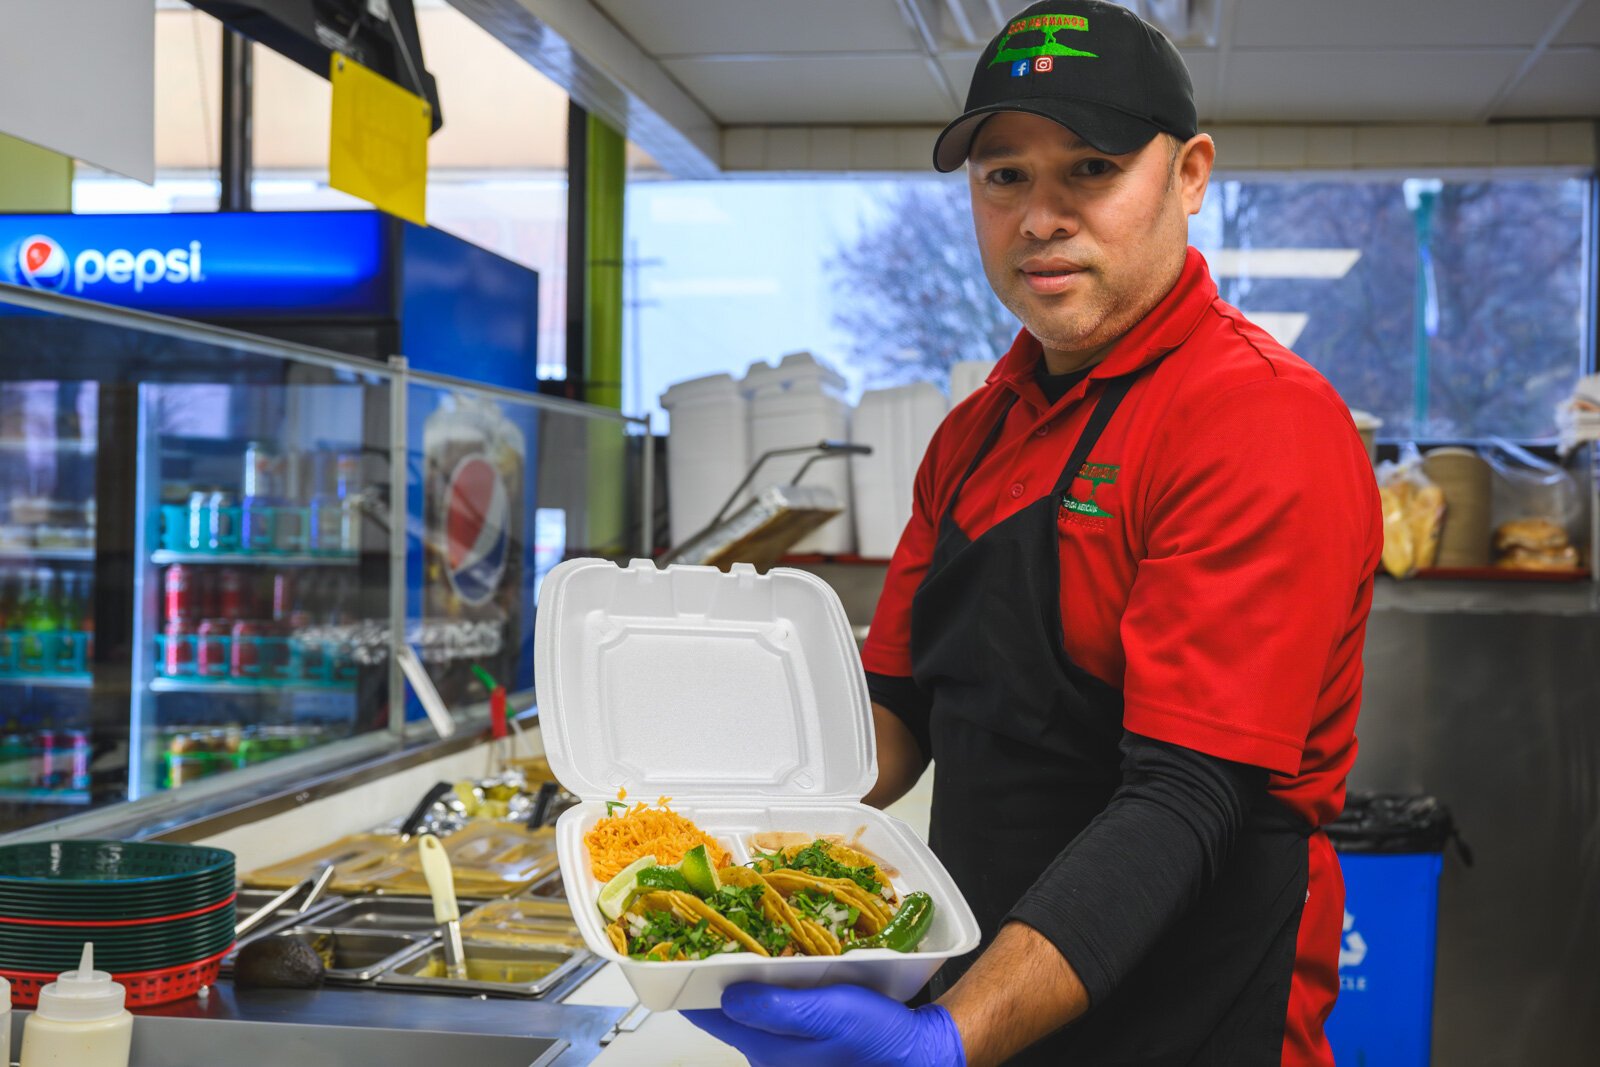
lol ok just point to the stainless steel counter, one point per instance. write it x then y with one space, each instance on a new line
571 1035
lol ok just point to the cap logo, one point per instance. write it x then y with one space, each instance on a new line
1049 25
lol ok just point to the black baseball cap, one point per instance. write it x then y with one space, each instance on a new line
1095 67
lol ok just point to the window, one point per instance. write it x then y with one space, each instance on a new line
1452 309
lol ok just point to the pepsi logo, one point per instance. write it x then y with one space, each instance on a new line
477 529
42 263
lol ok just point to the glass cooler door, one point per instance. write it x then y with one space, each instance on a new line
261 570
47 577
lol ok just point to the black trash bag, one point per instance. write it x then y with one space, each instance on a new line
1395 823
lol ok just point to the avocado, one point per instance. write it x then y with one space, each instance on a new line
280 962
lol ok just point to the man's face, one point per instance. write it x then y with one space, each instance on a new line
1080 244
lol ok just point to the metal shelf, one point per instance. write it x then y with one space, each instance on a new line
49 555
74 797
162 556
183 685
54 681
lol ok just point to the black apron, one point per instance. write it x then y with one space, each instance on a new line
1026 747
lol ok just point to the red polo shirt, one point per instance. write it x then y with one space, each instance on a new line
1219 571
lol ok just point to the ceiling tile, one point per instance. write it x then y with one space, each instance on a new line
1362 86
761 27
815 91
1564 83
1390 24
1583 27
958 67
1203 73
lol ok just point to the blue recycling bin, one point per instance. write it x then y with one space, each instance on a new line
1391 852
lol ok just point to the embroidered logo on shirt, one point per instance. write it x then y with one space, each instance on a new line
1096 474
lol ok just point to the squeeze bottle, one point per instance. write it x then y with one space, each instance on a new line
5 1019
81 1021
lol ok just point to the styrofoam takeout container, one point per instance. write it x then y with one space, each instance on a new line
740 696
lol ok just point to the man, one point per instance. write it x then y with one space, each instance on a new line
1125 620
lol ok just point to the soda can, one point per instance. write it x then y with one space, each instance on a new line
78 740
222 534
348 488
211 648
181 594
282 596
246 654
261 467
259 497
46 772
233 595
199 521
178 652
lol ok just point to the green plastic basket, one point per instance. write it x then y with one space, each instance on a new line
67 865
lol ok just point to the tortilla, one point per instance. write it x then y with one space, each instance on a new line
873 918
826 943
881 905
773 906
685 906
778 840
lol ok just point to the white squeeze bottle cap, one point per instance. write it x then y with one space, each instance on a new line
83 995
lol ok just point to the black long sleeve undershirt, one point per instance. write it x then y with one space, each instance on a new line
1144 861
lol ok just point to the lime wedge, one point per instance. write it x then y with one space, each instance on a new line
663 878
617 894
698 872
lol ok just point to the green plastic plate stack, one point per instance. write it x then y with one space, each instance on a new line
146 907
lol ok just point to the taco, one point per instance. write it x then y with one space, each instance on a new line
828 860
779 928
671 925
758 911
817 899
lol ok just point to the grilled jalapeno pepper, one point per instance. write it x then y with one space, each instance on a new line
908 927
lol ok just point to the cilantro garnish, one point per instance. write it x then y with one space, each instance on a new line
613 805
741 905
814 859
823 909
695 940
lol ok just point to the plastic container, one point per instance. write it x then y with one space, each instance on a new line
967 376
1391 852
1464 478
741 697
81 1021
898 423
1367 425
707 450
800 402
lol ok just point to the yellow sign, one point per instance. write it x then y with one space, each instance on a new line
378 149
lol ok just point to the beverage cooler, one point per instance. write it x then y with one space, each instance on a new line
252 573
222 507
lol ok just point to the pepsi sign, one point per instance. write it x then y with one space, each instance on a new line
206 265
478 529
41 263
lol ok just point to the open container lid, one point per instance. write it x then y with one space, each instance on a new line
692 683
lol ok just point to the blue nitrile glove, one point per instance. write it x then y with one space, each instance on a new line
839 1025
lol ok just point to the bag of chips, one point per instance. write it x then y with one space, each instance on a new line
1413 514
